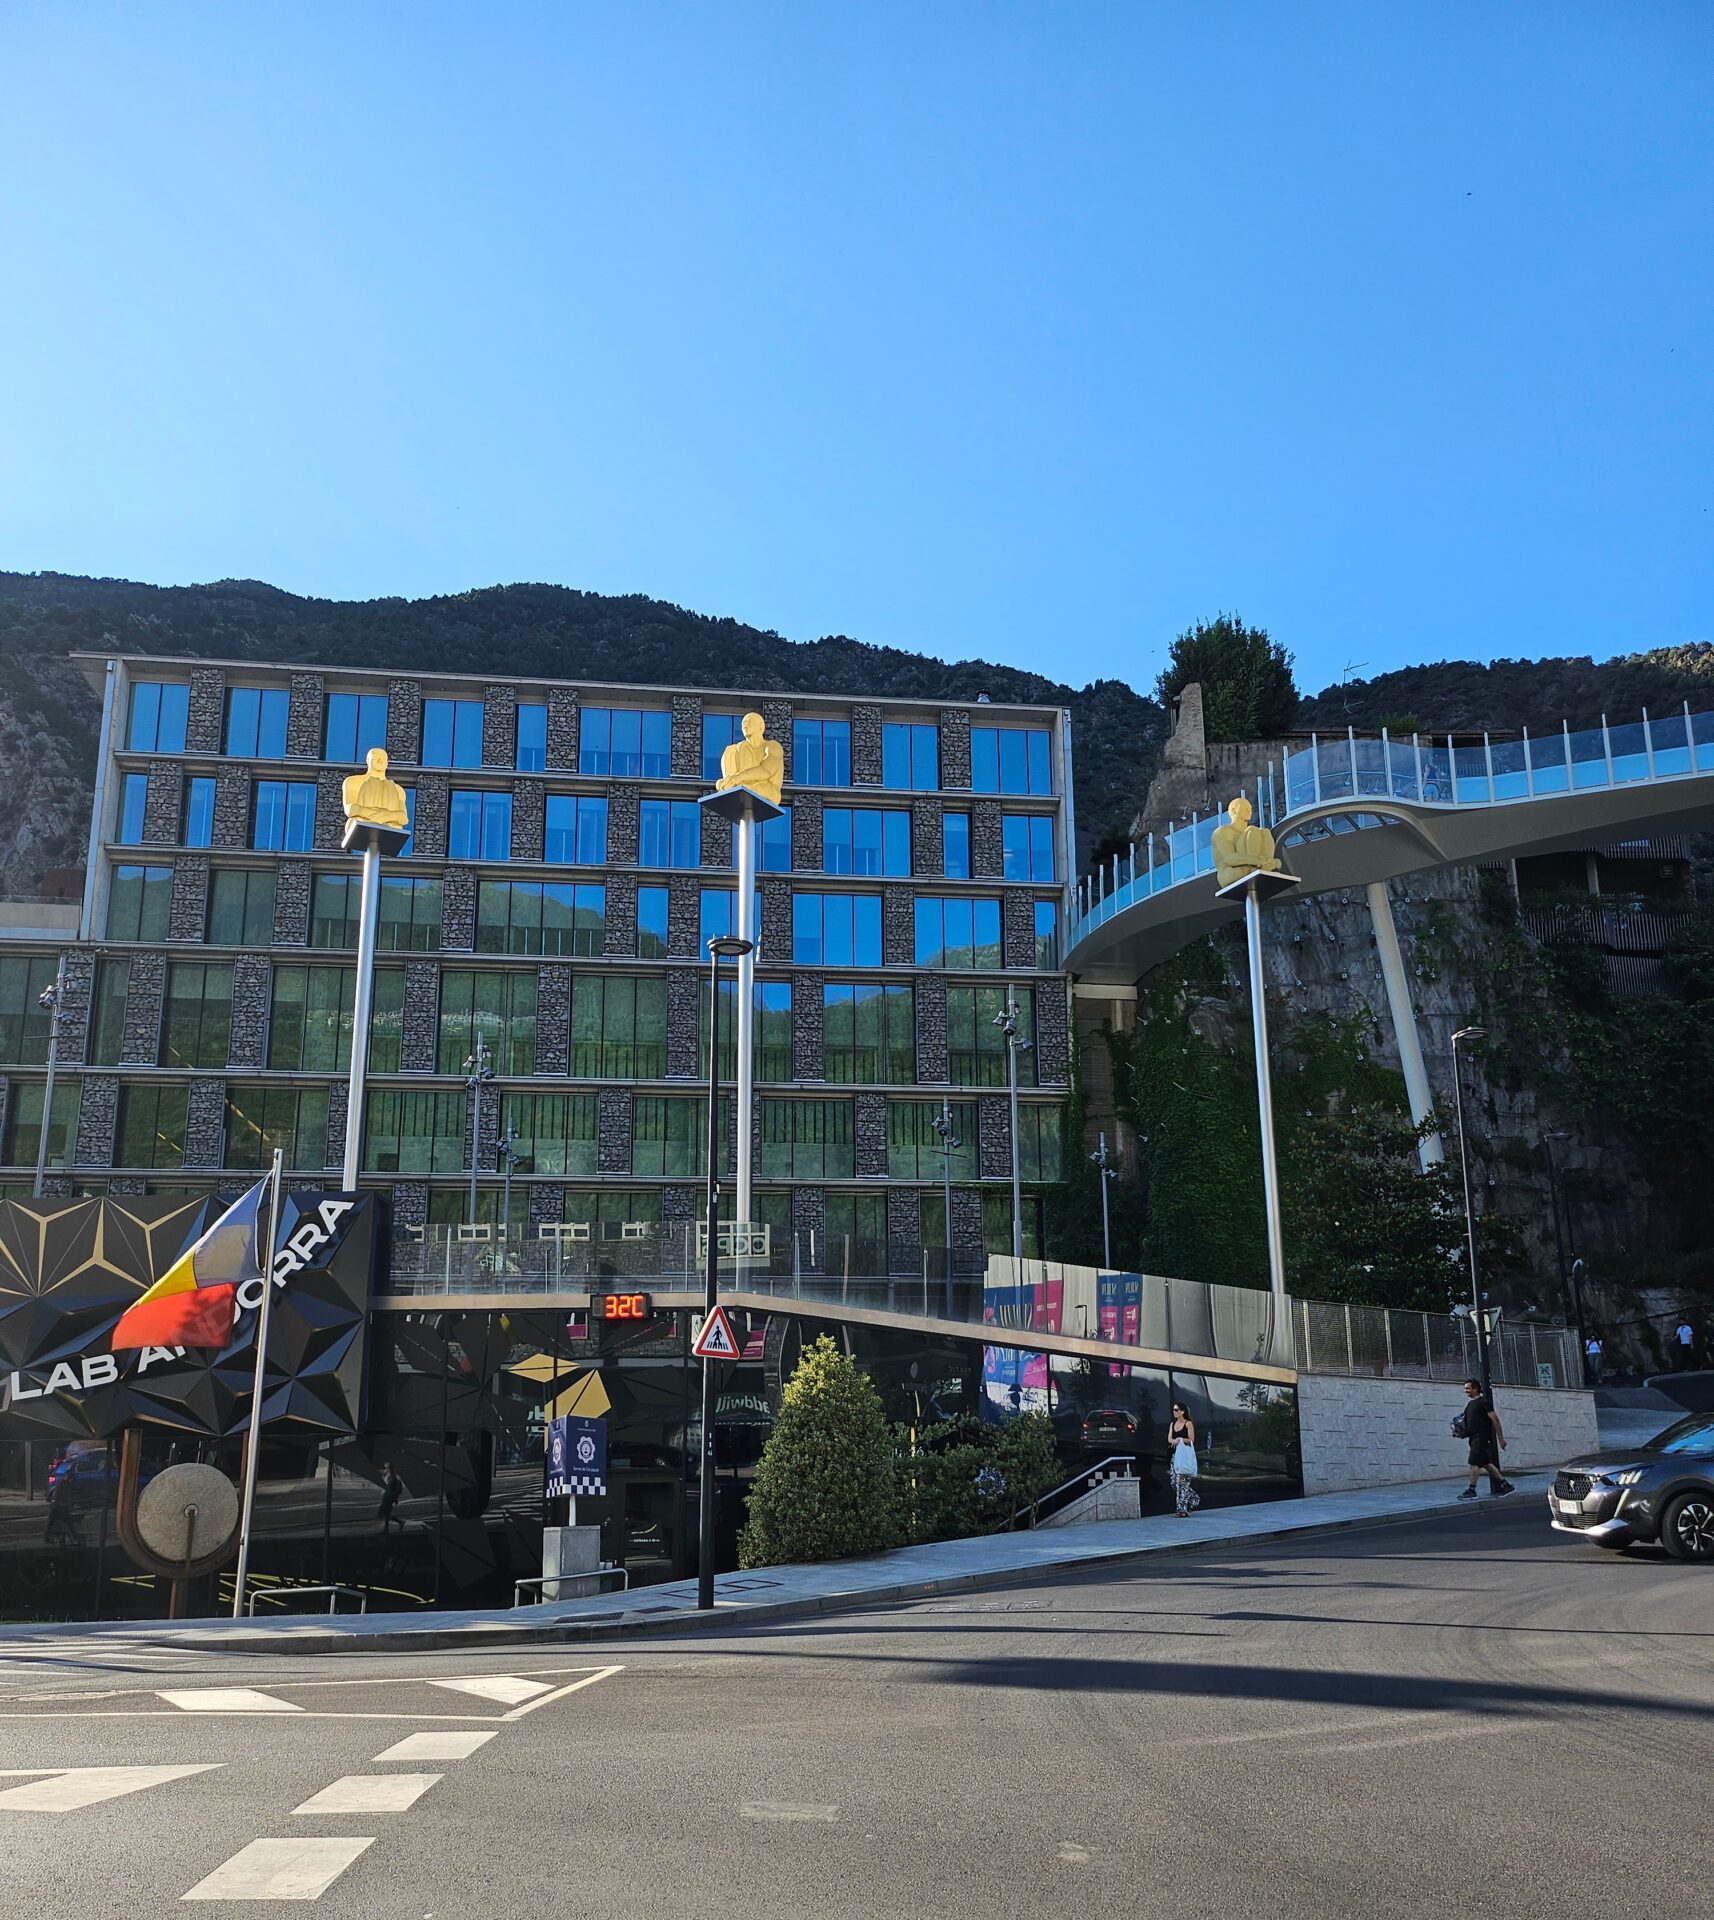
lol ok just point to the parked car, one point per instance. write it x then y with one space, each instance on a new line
1110 1430
1663 1491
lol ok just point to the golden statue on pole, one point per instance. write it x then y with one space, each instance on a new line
372 798
755 762
1241 849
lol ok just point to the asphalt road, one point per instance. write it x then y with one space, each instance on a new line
1463 1715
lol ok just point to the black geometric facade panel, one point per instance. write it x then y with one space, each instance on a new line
70 1268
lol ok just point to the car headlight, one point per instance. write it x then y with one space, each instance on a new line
1618 1477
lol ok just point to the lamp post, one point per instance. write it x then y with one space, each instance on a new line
509 1156
51 998
479 1066
1571 1294
722 947
1103 1160
1482 1366
949 1145
1007 1022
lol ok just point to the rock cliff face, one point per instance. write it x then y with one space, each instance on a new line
49 721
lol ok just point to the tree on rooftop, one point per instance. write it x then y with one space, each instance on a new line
1247 688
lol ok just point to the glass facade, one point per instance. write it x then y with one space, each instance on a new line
256 722
158 714
452 733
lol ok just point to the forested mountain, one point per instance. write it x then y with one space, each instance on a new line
48 716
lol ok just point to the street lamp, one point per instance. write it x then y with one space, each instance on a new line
949 1145
726 946
508 1156
479 1066
1007 1022
1103 1159
50 998
1470 1033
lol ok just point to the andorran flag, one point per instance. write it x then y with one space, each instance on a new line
191 1304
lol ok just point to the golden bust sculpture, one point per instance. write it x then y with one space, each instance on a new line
373 797
755 762
1241 849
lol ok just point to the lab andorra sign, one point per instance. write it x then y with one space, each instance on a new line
73 1272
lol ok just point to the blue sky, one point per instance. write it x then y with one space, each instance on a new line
1024 331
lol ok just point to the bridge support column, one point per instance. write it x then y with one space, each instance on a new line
1430 1149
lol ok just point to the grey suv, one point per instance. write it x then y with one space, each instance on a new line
1663 1491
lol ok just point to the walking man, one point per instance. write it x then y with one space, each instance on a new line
391 1487
1486 1437
1684 1343
1592 1358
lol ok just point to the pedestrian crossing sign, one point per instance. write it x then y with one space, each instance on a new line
716 1341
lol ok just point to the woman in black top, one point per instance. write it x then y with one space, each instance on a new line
1181 1440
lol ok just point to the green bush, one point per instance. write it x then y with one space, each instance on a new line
825 1486
965 1476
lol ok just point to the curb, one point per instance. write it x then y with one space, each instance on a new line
621 1625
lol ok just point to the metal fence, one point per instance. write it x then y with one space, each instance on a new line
1391 1343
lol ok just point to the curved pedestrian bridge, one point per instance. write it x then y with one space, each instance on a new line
1354 809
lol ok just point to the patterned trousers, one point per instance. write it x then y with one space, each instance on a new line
1185 1497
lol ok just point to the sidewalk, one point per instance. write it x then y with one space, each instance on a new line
773 1593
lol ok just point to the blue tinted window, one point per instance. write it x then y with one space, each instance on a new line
985 759
625 743
1010 760
479 826
955 845
576 829
957 933
409 847
532 751
256 722
1047 934
719 909
719 731
669 834
821 753
158 711
774 845
910 756
866 841
199 812
496 826
452 733
133 794
355 723
284 819
1027 843
1041 774
836 929
651 923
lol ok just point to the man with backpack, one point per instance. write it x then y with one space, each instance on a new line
1479 1424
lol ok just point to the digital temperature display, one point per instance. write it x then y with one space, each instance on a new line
625 1306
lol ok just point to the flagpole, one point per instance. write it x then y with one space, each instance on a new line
253 1439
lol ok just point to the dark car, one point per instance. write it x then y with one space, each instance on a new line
1662 1491
1111 1428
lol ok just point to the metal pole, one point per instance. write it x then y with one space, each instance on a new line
1470 1033
1265 1101
478 1065
51 998
1430 1151
710 1289
368 917
946 1144
746 930
1100 1157
253 1439
1012 1087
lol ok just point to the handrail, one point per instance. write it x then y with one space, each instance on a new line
1123 1467
359 1594
557 1579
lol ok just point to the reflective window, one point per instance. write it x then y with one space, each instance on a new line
955 845
771 1031
957 933
1039 1142
309 1023
556 1132
256 722
531 755
139 907
976 1047
1047 935
869 1032
625 742
910 756
284 816
479 826
241 907
133 799
774 845
1027 843
107 1017
409 917
669 834
196 1027
261 1119
552 917
652 923
355 723
914 1148
618 1027
669 1135
808 1140
821 753
576 829
719 731
719 915
23 1019
499 1008
866 841
1010 760
158 713
23 1130
415 1132
836 929
452 733
150 1126
199 812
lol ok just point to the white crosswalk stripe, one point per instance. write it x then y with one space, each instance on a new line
281 1870
500 1686
437 1746
225 1700
371 1793
74 1787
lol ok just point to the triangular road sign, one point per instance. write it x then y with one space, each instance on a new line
716 1341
